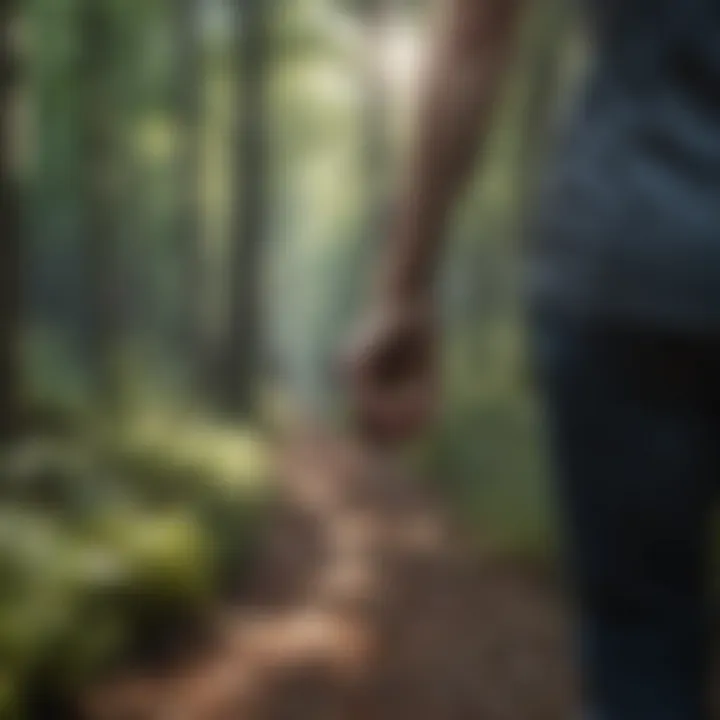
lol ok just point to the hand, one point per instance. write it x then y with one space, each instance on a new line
391 366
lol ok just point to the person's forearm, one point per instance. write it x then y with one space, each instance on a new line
458 96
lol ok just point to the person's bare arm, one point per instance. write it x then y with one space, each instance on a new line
467 64
393 357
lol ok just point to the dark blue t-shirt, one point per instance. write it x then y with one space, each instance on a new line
628 220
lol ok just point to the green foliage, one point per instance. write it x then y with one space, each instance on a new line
110 548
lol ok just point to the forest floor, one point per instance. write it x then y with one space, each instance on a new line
367 605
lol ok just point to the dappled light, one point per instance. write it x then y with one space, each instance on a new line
366 605
283 403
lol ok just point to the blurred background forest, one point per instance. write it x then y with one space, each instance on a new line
191 194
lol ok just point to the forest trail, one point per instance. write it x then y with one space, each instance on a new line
366 607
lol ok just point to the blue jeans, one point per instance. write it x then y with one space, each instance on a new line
634 418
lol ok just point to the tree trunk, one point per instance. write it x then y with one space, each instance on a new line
244 339
376 144
188 58
10 239
374 159
100 195
548 41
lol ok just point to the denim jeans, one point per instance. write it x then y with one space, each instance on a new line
634 420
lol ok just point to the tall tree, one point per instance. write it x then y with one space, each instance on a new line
10 240
101 124
243 346
374 152
188 85
549 33
375 15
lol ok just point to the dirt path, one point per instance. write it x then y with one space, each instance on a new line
366 608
